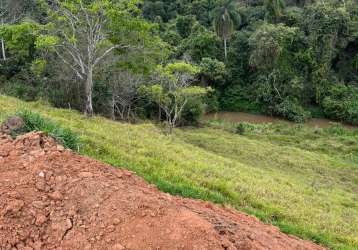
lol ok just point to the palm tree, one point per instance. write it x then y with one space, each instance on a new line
225 19
275 8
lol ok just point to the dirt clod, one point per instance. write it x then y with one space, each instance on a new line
56 199
13 123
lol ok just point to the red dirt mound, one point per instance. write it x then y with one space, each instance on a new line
51 198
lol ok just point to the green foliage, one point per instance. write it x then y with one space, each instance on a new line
292 111
225 18
236 98
164 9
20 39
279 86
19 89
35 122
174 93
184 25
193 110
274 9
183 106
342 103
201 44
213 71
38 67
240 128
269 44
328 31
171 37
178 69
46 41
211 100
277 51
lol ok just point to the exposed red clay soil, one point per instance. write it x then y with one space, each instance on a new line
51 198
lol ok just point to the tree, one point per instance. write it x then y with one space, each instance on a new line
124 87
274 8
328 32
225 18
10 13
20 39
2 16
172 90
184 25
85 34
201 44
269 43
212 71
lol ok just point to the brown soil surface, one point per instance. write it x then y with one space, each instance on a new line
51 198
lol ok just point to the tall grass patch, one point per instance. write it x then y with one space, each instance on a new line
35 122
301 179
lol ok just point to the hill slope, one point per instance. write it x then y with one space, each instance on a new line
310 191
63 200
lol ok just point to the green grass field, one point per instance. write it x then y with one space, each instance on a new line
303 180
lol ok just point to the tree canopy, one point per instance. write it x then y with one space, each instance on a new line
283 58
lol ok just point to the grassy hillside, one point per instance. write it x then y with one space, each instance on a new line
303 180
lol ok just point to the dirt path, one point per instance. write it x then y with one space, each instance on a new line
51 198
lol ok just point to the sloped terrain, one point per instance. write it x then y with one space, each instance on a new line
300 179
52 198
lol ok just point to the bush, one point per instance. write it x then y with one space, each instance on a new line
20 89
292 111
341 104
35 122
211 101
193 111
240 129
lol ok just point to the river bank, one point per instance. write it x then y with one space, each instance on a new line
238 117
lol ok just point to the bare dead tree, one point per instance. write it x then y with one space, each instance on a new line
84 43
125 86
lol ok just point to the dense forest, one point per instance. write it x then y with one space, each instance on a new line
173 60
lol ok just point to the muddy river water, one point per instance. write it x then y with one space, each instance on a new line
259 119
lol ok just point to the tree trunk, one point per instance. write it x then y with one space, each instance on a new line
113 106
170 126
203 81
225 48
88 93
159 113
3 50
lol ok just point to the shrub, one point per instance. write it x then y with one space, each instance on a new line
211 101
240 129
35 122
292 111
20 89
341 103
193 111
